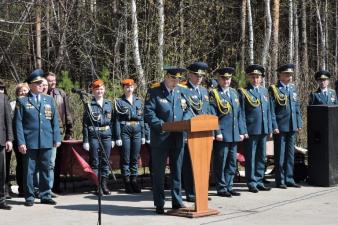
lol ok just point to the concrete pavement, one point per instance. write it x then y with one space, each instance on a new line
307 205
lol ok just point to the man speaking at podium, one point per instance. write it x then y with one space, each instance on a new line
165 102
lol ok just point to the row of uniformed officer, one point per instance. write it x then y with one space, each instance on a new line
323 95
225 104
98 127
255 106
197 98
129 128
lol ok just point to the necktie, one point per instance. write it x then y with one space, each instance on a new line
325 94
287 88
198 91
227 93
37 99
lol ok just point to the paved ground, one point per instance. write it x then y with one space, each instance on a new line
307 205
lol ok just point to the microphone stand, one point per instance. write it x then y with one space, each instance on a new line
101 154
188 105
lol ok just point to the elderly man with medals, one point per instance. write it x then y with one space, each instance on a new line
37 131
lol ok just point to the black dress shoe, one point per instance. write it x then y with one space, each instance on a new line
282 186
253 190
234 193
294 185
178 206
265 181
48 201
224 194
159 210
29 204
5 206
53 195
191 199
263 188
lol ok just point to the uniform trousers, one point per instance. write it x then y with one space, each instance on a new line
131 146
37 158
174 149
255 153
284 151
224 164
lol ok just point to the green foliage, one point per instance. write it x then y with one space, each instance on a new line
239 77
113 87
66 83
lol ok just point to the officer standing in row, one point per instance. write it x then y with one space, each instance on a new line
323 95
6 139
198 102
129 128
37 132
255 105
224 102
101 112
286 121
164 103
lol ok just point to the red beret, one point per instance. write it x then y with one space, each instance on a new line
128 82
97 83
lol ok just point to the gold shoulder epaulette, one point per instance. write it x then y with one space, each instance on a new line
183 85
155 85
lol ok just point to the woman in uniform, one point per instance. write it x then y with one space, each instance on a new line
129 128
101 112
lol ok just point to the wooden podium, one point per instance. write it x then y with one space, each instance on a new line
200 138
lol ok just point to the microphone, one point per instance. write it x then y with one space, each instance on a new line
80 91
188 104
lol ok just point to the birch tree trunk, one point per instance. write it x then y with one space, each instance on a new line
136 51
38 35
336 51
267 37
182 33
243 33
305 61
251 34
275 32
160 8
326 33
126 43
290 56
48 32
296 42
322 36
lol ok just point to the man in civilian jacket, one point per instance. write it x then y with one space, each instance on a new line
6 138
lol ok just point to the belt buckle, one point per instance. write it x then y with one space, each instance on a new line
103 128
